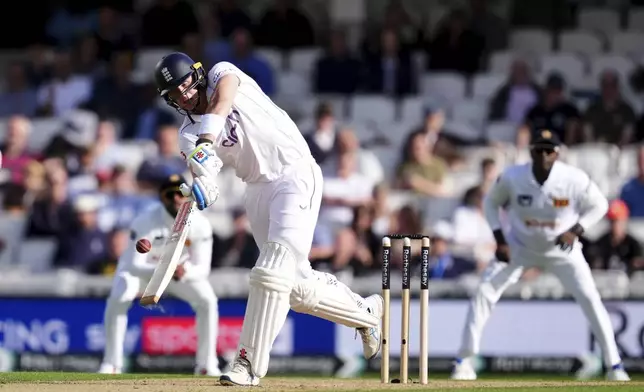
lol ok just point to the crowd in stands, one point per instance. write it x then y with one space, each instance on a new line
425 171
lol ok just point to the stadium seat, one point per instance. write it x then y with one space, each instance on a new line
470 111
636 19
372 108
568 65
274 58
36 255
147 59
636 228
621 64
133 153
302 61
536 41
597 160
627 166
501 131
461 181
612 284
484 86
308 105
412 109
627 43
292 86
636 286
438 208
582 42
501 62
347 11
601 20
444 87
12 228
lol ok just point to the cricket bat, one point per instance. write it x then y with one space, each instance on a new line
172 249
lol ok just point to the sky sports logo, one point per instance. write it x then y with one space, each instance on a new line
178 335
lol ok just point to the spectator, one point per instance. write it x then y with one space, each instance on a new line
166 22
115 95
244 57
231 17
240 249
382 214
397 18
37 66
489 174
166 163
108 154
15 155
419 170
83 179
337 71
285 27
491 27
555 113
84 242
471 230
150 118
516 97
440 143
216 47
322 248
343 191
110 33
521 152
368 164
442 263
610 119
66 90
51 210
193 45
117 244
455 47
86 58
18 98
357 245
406 220
322 140
616 249
390 70
633 191
13 200
122 201
35 181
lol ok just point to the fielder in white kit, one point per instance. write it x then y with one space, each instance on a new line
230 121
548 204
190 281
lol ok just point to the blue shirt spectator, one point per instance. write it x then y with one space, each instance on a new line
243 56
633 191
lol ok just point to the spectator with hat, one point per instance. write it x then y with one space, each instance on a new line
617 249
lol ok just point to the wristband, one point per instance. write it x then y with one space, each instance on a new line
577 229
212 123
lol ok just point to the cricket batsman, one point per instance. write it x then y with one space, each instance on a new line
229 120
548 204
190 282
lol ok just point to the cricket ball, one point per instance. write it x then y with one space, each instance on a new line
143 246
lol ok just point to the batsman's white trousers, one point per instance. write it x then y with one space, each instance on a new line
574 273
285 212
198 293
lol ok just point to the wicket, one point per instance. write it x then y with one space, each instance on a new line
424 306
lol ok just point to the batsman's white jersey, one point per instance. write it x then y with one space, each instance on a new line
259 140
282 200
135 269
536 216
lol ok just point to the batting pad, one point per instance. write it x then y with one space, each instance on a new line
333 301
271 282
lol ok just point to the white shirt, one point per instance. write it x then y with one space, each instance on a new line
354 188
67 95
259 139
538 214
155 225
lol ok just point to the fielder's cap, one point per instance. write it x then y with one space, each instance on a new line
172 183
545 138
617 210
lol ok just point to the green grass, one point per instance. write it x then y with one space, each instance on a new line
88 382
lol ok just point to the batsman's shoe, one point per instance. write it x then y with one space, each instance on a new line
371 336
463 370
106 368
617 373
215 372
239 375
